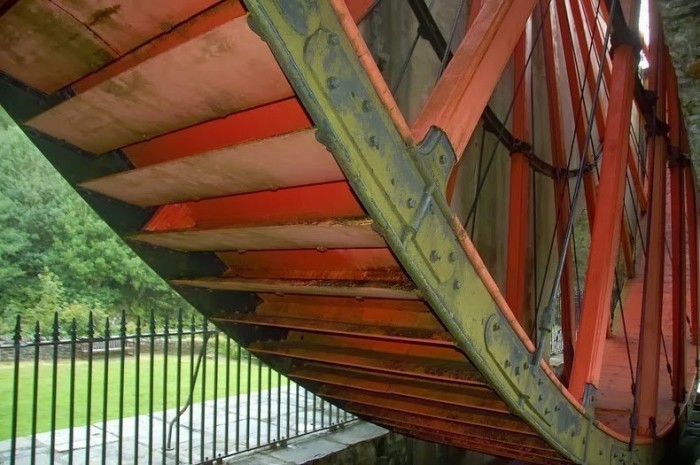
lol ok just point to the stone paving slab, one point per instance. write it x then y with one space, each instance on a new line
262 426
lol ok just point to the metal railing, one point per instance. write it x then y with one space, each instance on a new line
170 392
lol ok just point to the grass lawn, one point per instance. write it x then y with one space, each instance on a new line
164 388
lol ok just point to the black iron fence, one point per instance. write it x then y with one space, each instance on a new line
175 391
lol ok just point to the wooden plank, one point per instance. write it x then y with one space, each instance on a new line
169 91
498 422
343 328
352 264
407 364
44 47
306 287
250 125
457 395
289 160
338 234
128 23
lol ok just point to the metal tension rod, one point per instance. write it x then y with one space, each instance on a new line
605 237
459 98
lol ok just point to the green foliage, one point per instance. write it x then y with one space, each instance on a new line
57 255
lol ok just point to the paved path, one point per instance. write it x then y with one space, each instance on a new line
203 431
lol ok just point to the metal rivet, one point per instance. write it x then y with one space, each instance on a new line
546 411
516 371
411 203
333 82
373 141
366 106
457 285
442 159
452 257
496 326
507 364
434 256
333 39
539 397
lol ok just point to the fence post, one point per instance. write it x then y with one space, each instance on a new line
35 391
71 411
122 355
88 415
17 339
137 388
54 386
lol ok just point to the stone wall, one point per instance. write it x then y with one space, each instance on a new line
681 23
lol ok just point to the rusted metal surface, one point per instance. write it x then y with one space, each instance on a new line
290 176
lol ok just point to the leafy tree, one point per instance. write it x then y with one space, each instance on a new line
56 254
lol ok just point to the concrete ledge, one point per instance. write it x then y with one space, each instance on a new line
357 443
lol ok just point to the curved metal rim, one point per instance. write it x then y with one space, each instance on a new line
400 186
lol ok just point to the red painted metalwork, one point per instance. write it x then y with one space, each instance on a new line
217 16
692 225
561 191
589 181
234 170
595 315
650 339
462 93
678 241
257 123
297 204
517 281
678 260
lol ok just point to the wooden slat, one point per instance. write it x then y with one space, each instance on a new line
318 287
351 264
305 204
222 71
511 450
44 47
272 119
128 23
457 395
498 422
388 332
294 159
375 360
503 439
324 234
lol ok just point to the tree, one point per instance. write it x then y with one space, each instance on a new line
56 253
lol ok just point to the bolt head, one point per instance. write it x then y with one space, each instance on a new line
333 82
333 39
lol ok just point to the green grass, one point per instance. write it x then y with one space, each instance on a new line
161 389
